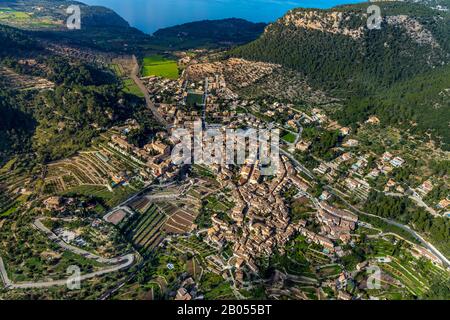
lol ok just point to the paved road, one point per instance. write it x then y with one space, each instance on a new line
125 262
428 245
161 197
415 197
297 164
139 194
135 76
38 224
116 264
418 199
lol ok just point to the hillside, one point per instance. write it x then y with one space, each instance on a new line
101 28
335 51
51 104
209 34
51 15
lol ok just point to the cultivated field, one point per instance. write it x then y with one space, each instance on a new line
23 82
160 67
29 20
13 192
92 173
144 230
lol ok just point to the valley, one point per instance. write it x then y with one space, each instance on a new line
115 156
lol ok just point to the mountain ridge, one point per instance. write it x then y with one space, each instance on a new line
216 33
335 51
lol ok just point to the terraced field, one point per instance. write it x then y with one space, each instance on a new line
410 277
11 186
23 82
93 168
145 231
192 244
141 204
8 204
118 70
181 216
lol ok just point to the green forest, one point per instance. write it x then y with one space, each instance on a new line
402 209
384 72
56 123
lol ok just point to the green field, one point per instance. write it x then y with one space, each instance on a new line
111 199
144 230
25 19
194 99
160 67
289 137
131 88
13 14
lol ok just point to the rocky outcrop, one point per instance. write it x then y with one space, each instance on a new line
335 22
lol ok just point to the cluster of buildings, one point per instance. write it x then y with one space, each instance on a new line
240 73
337 224
188 290
260 219
154 157
70 237
386 164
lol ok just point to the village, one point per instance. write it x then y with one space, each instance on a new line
231 217
259 223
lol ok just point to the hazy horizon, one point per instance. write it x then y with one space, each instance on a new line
151 15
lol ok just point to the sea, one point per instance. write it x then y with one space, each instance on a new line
151 15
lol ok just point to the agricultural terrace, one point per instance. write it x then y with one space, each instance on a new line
10 14
103 173
122 68
140 205
182 204
118 69
131 87
23 82
168 265
159 66
144 229
213 201
203 187
12 194
194 268
171 211
405 275
194 245
182 215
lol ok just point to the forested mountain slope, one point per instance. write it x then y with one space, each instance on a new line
83 99
209 33
336 51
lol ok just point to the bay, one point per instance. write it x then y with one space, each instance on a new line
150 15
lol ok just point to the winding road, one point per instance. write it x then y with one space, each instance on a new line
116 264
425 243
